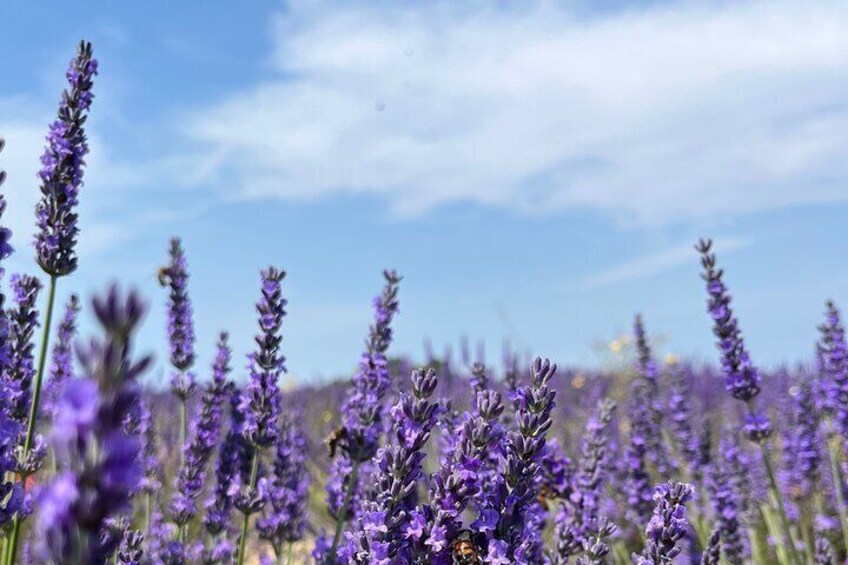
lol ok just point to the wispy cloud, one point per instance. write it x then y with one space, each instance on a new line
655 263
654 116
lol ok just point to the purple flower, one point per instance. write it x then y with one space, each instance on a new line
80 503
646 408
23 322
6 249
463 477
726 505
231 470
261 401
680 415
130 551
285 513
198 451
62 170
525 447
399 467
712 553
497 555
741 377
833 356
668 525
824 553
802 449
180 324
581 507
151 466
362 416
62 367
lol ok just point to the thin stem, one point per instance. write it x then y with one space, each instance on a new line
340 522
183 427
837 483
147 506
33 409
289 552
781 511
254 471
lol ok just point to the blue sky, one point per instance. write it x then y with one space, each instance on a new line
537 174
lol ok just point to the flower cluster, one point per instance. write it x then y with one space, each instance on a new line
143 476
98 460
180 324
62 170
742 379
204 439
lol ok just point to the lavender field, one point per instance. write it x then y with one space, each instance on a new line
450 459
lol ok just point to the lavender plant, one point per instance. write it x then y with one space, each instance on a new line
260 402
98 463
180 329
362 413
510 479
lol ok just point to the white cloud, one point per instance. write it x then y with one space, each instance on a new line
655 263
657 116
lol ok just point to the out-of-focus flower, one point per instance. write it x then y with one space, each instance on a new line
99 460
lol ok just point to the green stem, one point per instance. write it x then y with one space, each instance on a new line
183 428
351 485
289 554
147 506
254 471
33 409
781 511
837 482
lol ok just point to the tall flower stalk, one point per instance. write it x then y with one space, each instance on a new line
180 331
833 356
525 449
62 365
11 491
78 511
668 525
284 516
742 380
204 438
362 419
61 178
261 401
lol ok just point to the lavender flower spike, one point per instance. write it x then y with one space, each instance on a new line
525 447
62 170
24 321
180 324
712 553
199 450
646 397
81 503
668 525
741 377
284 520
261 400
387 521
11 492
362 414
5 233
62 367
261 403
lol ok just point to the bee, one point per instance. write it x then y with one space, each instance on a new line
464 550
162 275
337 436
544 495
